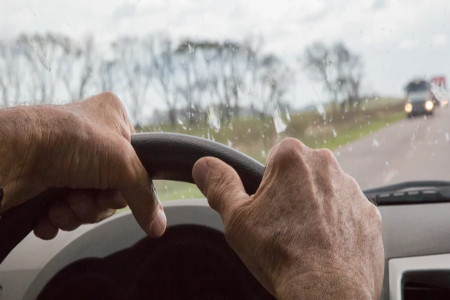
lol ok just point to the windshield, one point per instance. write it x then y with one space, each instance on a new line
333 74
419 96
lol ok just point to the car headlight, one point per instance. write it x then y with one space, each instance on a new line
408 107
429 105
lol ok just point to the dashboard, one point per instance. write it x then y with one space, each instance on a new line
416 239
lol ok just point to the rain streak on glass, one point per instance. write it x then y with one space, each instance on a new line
213 120
280 125
375 143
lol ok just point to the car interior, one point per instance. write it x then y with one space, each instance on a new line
230 79
114 259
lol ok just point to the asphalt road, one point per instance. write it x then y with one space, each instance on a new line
412 149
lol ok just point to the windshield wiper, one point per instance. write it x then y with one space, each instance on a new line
412 192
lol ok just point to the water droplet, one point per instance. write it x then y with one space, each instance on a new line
280 126
375 143
321 110
334 133
288 115
213 120
229 143
190 48
447 136
263 153
179 122
41 54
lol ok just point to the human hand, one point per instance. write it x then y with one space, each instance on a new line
308 232
84 146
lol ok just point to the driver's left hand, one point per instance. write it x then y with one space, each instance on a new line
84 146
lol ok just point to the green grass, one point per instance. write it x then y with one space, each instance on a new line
255 137
173 190
355 133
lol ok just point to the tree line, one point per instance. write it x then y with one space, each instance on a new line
188 77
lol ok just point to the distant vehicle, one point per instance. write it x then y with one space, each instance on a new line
419 99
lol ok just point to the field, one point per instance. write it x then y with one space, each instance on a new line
330 129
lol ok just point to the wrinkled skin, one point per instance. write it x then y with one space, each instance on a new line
308 232
84 146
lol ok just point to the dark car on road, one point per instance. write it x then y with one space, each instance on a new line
419 103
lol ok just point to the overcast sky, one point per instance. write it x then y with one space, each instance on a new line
398 40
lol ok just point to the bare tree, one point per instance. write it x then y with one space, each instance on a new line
164 73
106 74
77 66
339 70
350 73
43 53
12 73
191 81
318 62
135 65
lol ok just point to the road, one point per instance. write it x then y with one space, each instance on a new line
412 149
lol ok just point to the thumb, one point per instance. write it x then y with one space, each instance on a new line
220 184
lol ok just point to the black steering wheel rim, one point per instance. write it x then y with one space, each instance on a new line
168 156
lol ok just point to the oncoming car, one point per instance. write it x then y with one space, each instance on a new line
419 103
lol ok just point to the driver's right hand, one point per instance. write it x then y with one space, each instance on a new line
308 232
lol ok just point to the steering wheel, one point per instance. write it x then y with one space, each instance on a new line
165 156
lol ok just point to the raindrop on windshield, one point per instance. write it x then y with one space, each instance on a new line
40 53
375 143
447 136
321 110
288 115
334 133
280 126
213 120
190 48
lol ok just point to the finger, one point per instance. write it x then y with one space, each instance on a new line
85 207
44 229
220 184
62 216
141 197
110 199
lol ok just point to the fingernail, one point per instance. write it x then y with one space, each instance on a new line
199 173
159 224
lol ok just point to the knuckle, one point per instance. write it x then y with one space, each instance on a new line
110 98
326 159
326 155
290 144
289 150
113 102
